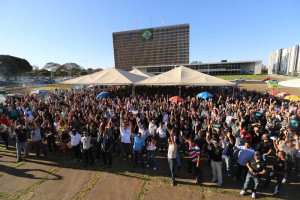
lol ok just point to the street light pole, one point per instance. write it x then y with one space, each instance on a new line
208 64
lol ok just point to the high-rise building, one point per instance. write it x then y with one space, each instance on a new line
285 61
154 46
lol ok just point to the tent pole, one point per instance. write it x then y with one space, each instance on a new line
133 90
180 88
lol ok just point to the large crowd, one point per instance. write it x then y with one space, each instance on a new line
238 129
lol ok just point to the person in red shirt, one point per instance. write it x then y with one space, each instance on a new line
248 135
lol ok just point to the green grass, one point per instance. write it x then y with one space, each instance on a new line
88 187
247 77
143 191
37 183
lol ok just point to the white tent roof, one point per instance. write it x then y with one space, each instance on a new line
184 76
141 73
110 76
291 83
76 81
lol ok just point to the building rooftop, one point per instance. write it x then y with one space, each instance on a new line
211 63
159 27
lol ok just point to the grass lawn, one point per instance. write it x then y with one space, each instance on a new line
247 77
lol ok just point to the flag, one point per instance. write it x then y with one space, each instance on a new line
147 34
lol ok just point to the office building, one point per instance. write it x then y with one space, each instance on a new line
153 46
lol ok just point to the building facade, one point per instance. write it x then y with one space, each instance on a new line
156 46
285 61
216 68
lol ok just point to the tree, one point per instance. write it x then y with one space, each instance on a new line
44 72
61 73
11 66
97 70
89 70
83 72
52 67
71 68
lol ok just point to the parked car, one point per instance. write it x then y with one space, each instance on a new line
266 79
272 81
240 79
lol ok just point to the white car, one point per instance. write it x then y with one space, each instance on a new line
240 79
272 81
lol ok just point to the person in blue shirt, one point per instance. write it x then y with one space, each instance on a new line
138 146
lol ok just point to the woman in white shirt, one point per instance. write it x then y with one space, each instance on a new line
172 157
151 151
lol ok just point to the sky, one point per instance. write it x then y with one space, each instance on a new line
80 31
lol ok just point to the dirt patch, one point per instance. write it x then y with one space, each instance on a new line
71 183
111 186
214 196
167 191
263 87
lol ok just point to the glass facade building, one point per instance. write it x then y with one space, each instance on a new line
216 68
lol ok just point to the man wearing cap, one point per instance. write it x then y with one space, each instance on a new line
21 138
256 167
279 171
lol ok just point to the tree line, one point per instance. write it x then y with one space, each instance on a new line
11 66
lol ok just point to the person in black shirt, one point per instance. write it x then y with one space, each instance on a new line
21 137
265 147
279 171
116 140
216 158
256 168
187 133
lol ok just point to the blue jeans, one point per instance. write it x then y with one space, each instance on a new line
248 180
172 167
138 155
178 158
279 181
151 153
20 146
39 145
228 160
264 157
234 156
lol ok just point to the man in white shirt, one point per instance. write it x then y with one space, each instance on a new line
142 129
162 133
86 148
75 142
152 128
125 138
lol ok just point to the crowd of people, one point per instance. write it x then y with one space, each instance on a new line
235 127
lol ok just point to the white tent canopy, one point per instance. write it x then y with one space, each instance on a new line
110 76
291 83
184 76
141 73
76 81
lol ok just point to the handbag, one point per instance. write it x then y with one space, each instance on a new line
69 145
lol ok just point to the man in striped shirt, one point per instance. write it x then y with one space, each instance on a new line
194 157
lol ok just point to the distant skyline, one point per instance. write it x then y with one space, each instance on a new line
80 31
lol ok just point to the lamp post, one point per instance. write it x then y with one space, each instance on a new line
208 64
